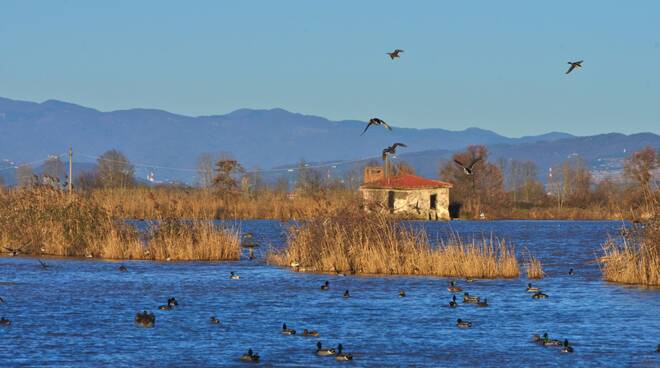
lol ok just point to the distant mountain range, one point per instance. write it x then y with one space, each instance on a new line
266 139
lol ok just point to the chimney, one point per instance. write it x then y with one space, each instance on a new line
373 173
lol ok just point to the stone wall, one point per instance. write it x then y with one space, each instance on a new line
411 203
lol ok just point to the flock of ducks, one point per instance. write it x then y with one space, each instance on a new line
148 319
475 300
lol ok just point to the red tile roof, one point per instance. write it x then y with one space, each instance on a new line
406 181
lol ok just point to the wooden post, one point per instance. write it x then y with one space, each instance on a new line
70 170
387 179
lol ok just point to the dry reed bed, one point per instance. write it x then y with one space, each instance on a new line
204 204
636 259
534 268
361 244
44 221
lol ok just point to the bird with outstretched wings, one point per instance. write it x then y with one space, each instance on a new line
394 54
391 150
467 169
573 65
376 121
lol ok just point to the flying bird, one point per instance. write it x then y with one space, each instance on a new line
468 168
391 150
575 64
376 121
394 54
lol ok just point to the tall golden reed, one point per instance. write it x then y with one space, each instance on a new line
636 258
204 204
44 221
351 242
534 268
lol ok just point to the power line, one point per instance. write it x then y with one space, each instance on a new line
32 162
184 169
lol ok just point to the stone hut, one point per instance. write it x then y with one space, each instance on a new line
407 195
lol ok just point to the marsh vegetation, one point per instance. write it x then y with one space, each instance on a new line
352 242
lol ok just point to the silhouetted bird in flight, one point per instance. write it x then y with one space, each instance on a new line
391 150
468 168
394 54
576 64
376 121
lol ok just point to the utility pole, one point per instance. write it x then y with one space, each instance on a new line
70 170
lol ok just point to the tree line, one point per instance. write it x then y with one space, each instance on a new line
493 188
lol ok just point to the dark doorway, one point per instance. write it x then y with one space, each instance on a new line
390 201
455 209
434 201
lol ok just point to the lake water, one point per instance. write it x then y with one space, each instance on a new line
79 313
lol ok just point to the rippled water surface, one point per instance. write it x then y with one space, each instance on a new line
80 312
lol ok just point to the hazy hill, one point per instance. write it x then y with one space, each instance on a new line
259 138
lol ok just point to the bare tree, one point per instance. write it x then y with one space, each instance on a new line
226 172
205 170
86 180
403 168
523 182
54 167
571 182
25 176
640 168
114 170
484 187
310 180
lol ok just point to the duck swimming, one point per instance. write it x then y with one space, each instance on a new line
567 348
341 356
171 302
571 272
214 320
402 293
463 324
452 303
311 333
453 288
320 351
287 331
145 319
550 342
467 298
325 286
122 268
346 294
532 289
4 322
483 303
233 276
250 356
539 295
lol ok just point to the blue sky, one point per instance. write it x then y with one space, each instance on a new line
496 65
